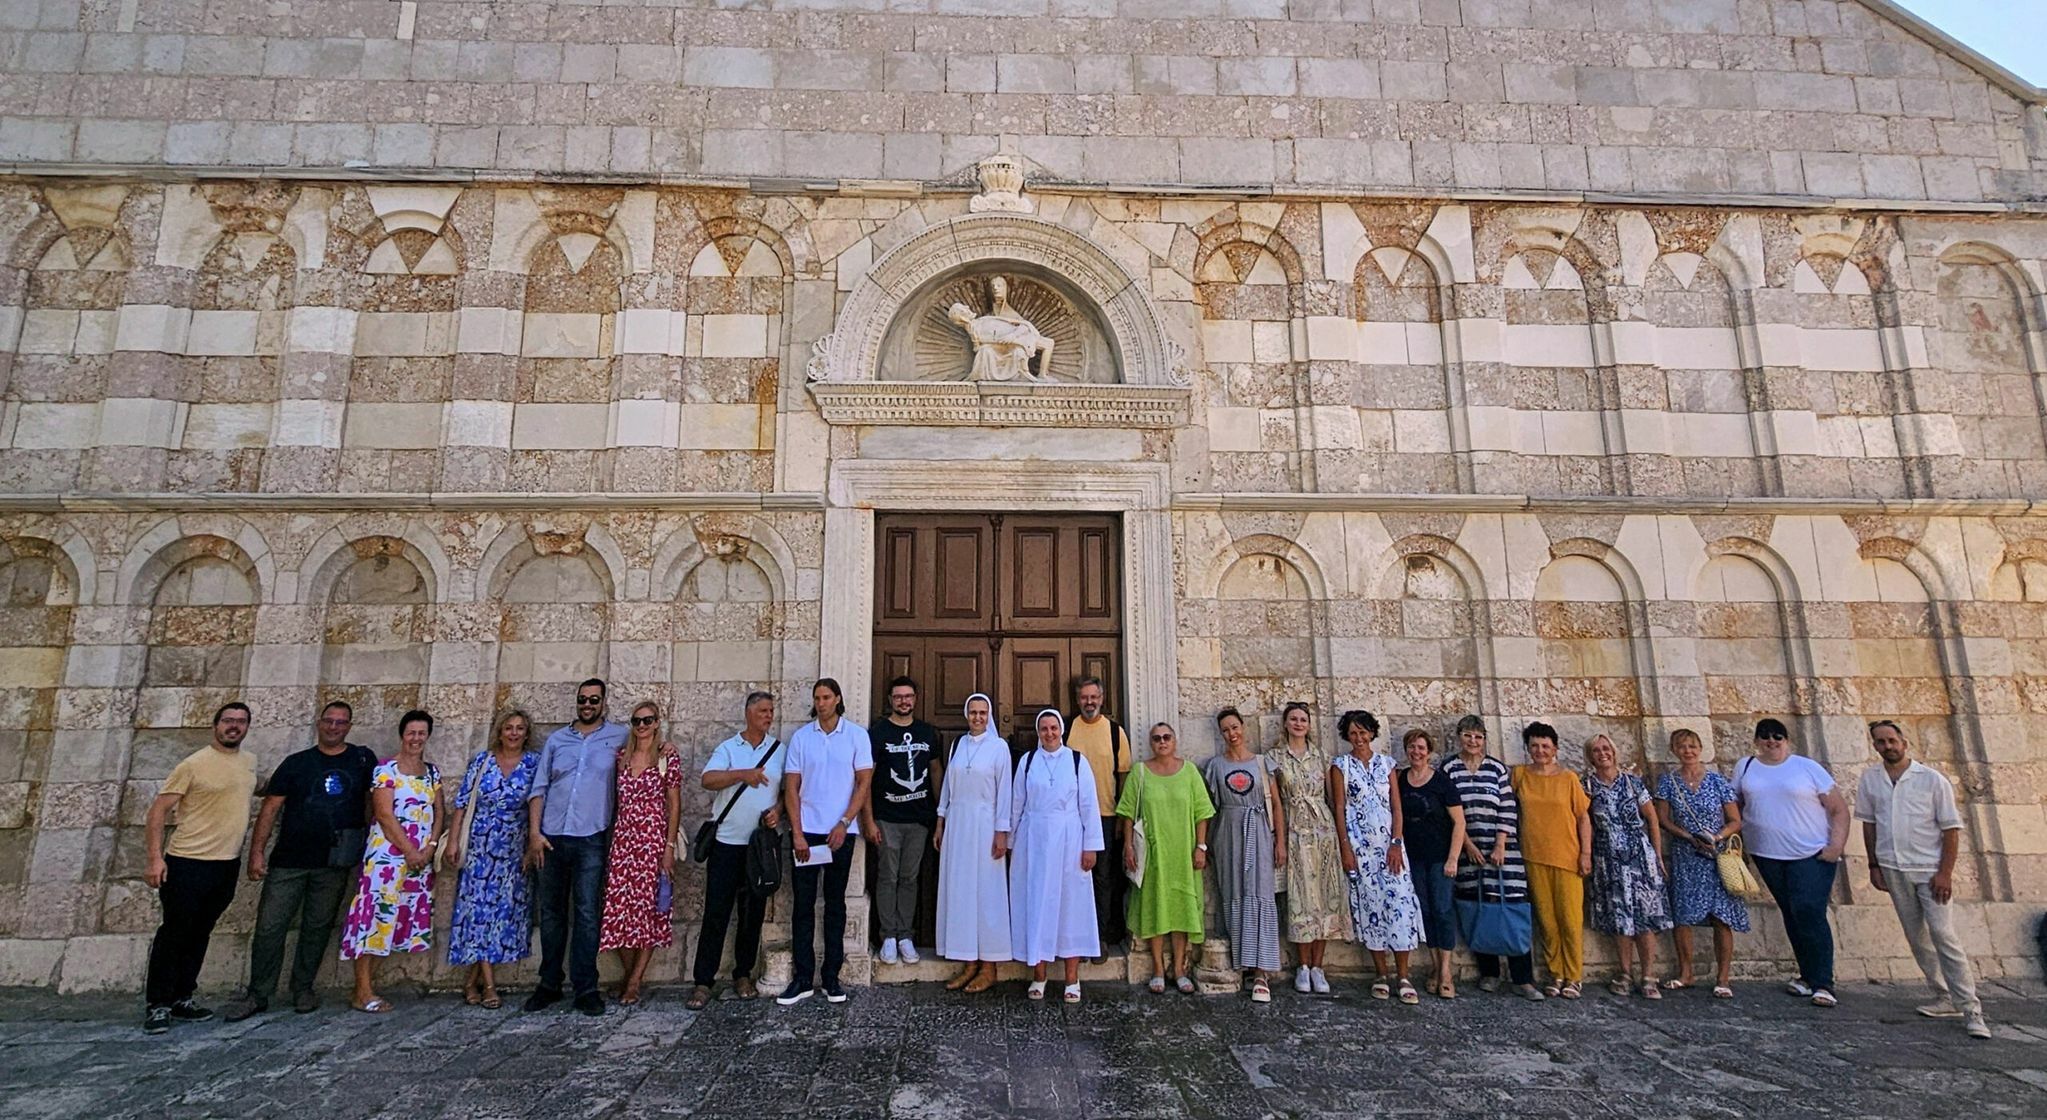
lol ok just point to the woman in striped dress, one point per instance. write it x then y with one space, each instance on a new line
1249 840
1492 845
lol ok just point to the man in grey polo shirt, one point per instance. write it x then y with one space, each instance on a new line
1911 832
568 841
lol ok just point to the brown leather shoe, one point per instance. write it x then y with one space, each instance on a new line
743 988
972 970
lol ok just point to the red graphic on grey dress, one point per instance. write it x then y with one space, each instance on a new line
1239 782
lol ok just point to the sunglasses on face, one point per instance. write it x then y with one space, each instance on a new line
1162 738
1774 738
645 721
588 701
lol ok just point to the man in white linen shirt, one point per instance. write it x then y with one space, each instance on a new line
1911 832
824 790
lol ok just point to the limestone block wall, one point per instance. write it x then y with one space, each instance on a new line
1828 98
1623 467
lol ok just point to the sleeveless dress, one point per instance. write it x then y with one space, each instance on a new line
1317 903
1240 855
1626 890
393 911
493 912
638 841
1383 906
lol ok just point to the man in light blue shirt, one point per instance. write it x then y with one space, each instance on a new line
744 776
568 841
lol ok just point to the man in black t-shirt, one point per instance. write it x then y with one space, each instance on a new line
318 799
900 816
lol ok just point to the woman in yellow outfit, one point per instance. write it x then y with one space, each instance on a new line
1556 840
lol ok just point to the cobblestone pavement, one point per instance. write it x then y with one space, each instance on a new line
921 1052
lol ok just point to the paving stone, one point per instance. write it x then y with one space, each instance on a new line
919 1052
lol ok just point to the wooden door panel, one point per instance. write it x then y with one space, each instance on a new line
960 576
1101 658
1034 577
1097 572
956 668
896 581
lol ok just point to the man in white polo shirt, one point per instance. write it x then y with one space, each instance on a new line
824 789
1911 832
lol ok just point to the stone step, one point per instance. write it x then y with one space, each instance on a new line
933 970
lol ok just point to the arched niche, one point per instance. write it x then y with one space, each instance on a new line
853 385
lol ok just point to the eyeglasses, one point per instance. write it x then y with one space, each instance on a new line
336 722
646 721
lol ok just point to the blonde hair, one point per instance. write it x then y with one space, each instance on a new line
497 729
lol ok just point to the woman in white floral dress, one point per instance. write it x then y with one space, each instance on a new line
1385 914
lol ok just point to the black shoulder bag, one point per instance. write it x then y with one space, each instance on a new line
707 832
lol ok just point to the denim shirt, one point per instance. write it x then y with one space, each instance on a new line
576 780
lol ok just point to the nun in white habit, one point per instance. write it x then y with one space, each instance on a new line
1056 836
972 839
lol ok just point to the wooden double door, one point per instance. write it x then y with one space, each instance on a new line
1019 606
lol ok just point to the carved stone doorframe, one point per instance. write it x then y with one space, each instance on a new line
1141 492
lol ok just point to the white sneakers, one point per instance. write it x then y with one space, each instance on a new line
907 951
1304 979
1319 982
1977 1028
888 950
898 951
1939 1009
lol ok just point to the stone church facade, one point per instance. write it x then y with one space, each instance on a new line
1628 364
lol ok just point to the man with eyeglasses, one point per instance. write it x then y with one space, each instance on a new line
569 810
317 800
194 875
1795 826
1912 834
1106 746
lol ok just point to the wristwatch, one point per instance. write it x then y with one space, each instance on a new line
1398 842
845 822
1200 847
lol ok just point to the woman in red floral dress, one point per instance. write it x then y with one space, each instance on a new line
642 849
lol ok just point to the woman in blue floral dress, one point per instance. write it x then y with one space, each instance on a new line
1385 914
1697 809
492 924
1626 890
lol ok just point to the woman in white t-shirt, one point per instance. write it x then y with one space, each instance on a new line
1795 825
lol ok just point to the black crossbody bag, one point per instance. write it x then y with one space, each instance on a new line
707 833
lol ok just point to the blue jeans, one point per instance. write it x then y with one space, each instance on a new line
571 892
1802 888
1434 890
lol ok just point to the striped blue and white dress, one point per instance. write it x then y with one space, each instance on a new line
1489 809
1240 857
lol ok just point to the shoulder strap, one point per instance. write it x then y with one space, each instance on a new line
739 788
473 780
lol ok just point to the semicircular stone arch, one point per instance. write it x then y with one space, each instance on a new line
374 634
1584 677
1131 324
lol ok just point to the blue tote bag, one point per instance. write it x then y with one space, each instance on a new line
1495 926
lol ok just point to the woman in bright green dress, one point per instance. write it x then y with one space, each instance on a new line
1168 800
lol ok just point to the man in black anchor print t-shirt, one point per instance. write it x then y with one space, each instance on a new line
904 808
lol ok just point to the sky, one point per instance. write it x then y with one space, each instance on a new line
2012 33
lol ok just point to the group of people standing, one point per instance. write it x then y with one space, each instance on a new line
1042 858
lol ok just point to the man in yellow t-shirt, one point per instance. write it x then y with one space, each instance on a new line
194 876
1106 746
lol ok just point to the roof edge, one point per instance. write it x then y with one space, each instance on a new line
1969 56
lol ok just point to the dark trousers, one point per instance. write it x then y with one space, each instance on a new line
725 888
1520 966
803 923
312 895
195 893
1802 888
1110 884
571 894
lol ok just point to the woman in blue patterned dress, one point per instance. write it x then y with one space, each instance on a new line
1626 891
492 911
1697 808
1385 915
